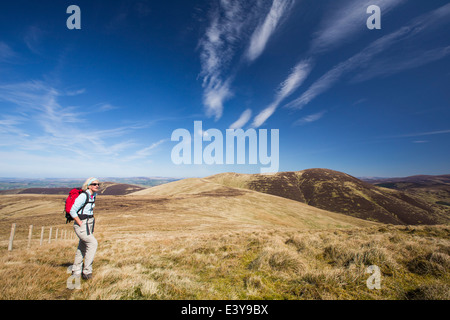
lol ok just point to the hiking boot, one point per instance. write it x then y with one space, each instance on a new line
87 276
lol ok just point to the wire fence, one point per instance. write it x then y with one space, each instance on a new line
42 235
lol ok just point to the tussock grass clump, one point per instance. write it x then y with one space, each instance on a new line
436 264
436 291
328 284
343 256
280 259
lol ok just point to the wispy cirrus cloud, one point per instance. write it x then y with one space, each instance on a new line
419 26
229 31
6 52
421 134
144 152
310 118
417 137
10 130
33 39
71 93
218 47
37 121
294 80
345 23
265 30
102 107
338 27
388 66
243 119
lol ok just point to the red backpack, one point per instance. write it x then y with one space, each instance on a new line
73 194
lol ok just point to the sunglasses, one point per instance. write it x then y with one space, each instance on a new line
95 184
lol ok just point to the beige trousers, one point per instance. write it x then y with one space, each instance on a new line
87 247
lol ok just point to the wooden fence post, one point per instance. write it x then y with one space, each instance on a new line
11 237
56 236
50 235
42 235
30 232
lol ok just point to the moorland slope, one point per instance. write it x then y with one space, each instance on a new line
339 192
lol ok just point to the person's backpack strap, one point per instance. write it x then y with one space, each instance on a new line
87 220
85 202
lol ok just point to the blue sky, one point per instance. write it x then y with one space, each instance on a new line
104 100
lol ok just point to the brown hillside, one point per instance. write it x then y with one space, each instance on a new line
107 188
118 189
217 244
418 181
339 192
219 203
435 190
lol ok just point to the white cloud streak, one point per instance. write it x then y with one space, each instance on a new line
386 67
310 118
42 124
418 26
265 30
294 80
243 119
264 115
421 134
145 152
341 25
217 50
346 23
230 25
6 53
33 39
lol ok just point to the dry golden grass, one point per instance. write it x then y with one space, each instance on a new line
210 242
258 264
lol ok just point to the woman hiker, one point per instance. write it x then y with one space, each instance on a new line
84 228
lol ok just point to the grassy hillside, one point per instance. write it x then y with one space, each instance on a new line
435 190
339 192
200 196
196 239
269 263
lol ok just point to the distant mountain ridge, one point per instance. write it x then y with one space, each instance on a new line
28 183
417 181
339 192
433 189
408 201
108 188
